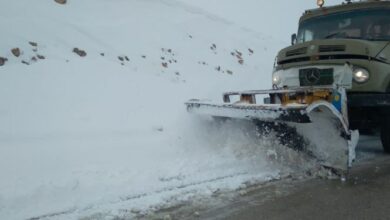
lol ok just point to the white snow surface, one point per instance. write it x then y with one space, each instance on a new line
87 135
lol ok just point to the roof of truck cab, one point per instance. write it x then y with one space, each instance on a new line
344 7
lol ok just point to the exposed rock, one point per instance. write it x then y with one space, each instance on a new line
16 52
33 44
3 60
62 2
165 65
79 52
41 57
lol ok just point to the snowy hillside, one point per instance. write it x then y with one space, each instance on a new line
92 118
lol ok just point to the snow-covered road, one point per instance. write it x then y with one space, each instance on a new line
106 173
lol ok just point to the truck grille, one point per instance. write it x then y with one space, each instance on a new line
316 77
331 48
296 52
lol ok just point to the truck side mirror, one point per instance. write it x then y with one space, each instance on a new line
293 39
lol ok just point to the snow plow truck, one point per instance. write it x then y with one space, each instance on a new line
330 84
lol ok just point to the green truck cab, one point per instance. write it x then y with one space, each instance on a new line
355 34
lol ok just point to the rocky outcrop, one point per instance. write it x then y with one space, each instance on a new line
3 60
16 52
79 52
34 44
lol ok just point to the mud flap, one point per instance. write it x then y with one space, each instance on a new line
320 130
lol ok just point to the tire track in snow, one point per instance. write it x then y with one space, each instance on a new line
181 188
184 186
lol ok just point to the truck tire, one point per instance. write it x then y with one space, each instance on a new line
385 135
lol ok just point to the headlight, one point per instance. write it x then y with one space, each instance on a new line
276 79
360 75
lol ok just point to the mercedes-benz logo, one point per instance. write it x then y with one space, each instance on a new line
313 75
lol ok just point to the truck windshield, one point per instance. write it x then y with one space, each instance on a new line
373 24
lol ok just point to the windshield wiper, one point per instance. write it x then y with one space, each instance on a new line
342 35
334 35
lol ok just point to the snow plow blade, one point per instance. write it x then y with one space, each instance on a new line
319 129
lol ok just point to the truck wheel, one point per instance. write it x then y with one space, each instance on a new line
385 136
